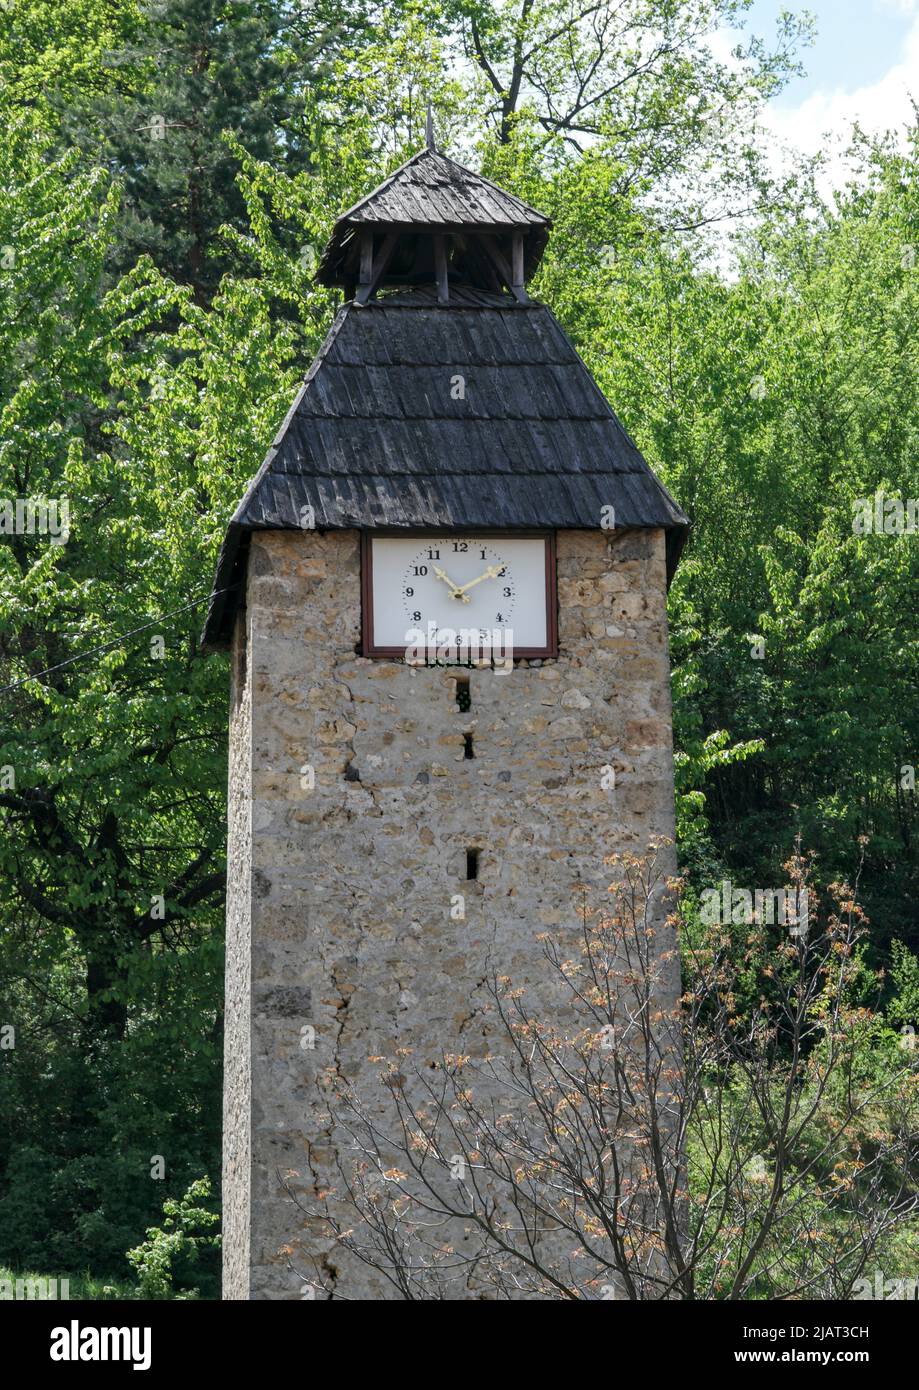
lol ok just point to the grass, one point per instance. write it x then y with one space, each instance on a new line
86 1286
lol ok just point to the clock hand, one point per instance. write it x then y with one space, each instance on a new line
493 572
456 590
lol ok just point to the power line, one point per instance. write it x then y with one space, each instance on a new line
115 642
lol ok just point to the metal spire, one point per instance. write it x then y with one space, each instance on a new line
429 129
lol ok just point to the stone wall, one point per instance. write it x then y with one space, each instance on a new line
347 885
237 1018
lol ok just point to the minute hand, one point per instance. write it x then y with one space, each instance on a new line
493 572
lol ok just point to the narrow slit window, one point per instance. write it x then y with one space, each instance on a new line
468 750
472 863
463 694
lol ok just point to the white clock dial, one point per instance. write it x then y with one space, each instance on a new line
491 588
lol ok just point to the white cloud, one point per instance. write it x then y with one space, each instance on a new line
824 120
723 42
899 6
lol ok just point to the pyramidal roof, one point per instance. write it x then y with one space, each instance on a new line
379 436
430 188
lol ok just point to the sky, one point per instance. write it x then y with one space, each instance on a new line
863 65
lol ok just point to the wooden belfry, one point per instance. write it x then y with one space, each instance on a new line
434 221
448 458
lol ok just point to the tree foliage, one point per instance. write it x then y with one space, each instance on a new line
157 309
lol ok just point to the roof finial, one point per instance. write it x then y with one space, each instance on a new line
429 129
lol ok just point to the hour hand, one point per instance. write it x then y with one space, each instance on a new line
455 590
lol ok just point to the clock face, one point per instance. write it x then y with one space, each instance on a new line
463 590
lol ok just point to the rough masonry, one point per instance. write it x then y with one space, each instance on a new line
338 915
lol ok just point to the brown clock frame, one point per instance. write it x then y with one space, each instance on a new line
369 649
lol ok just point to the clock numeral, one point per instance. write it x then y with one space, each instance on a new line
420 569
502 572
410 593
484 556
507 593
499 618
416 617
433 554
460 547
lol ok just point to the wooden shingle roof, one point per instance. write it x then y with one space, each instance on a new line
382 434
430 188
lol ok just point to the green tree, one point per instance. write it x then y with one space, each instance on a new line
205 67
172 1253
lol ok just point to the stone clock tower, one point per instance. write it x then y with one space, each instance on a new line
444 598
